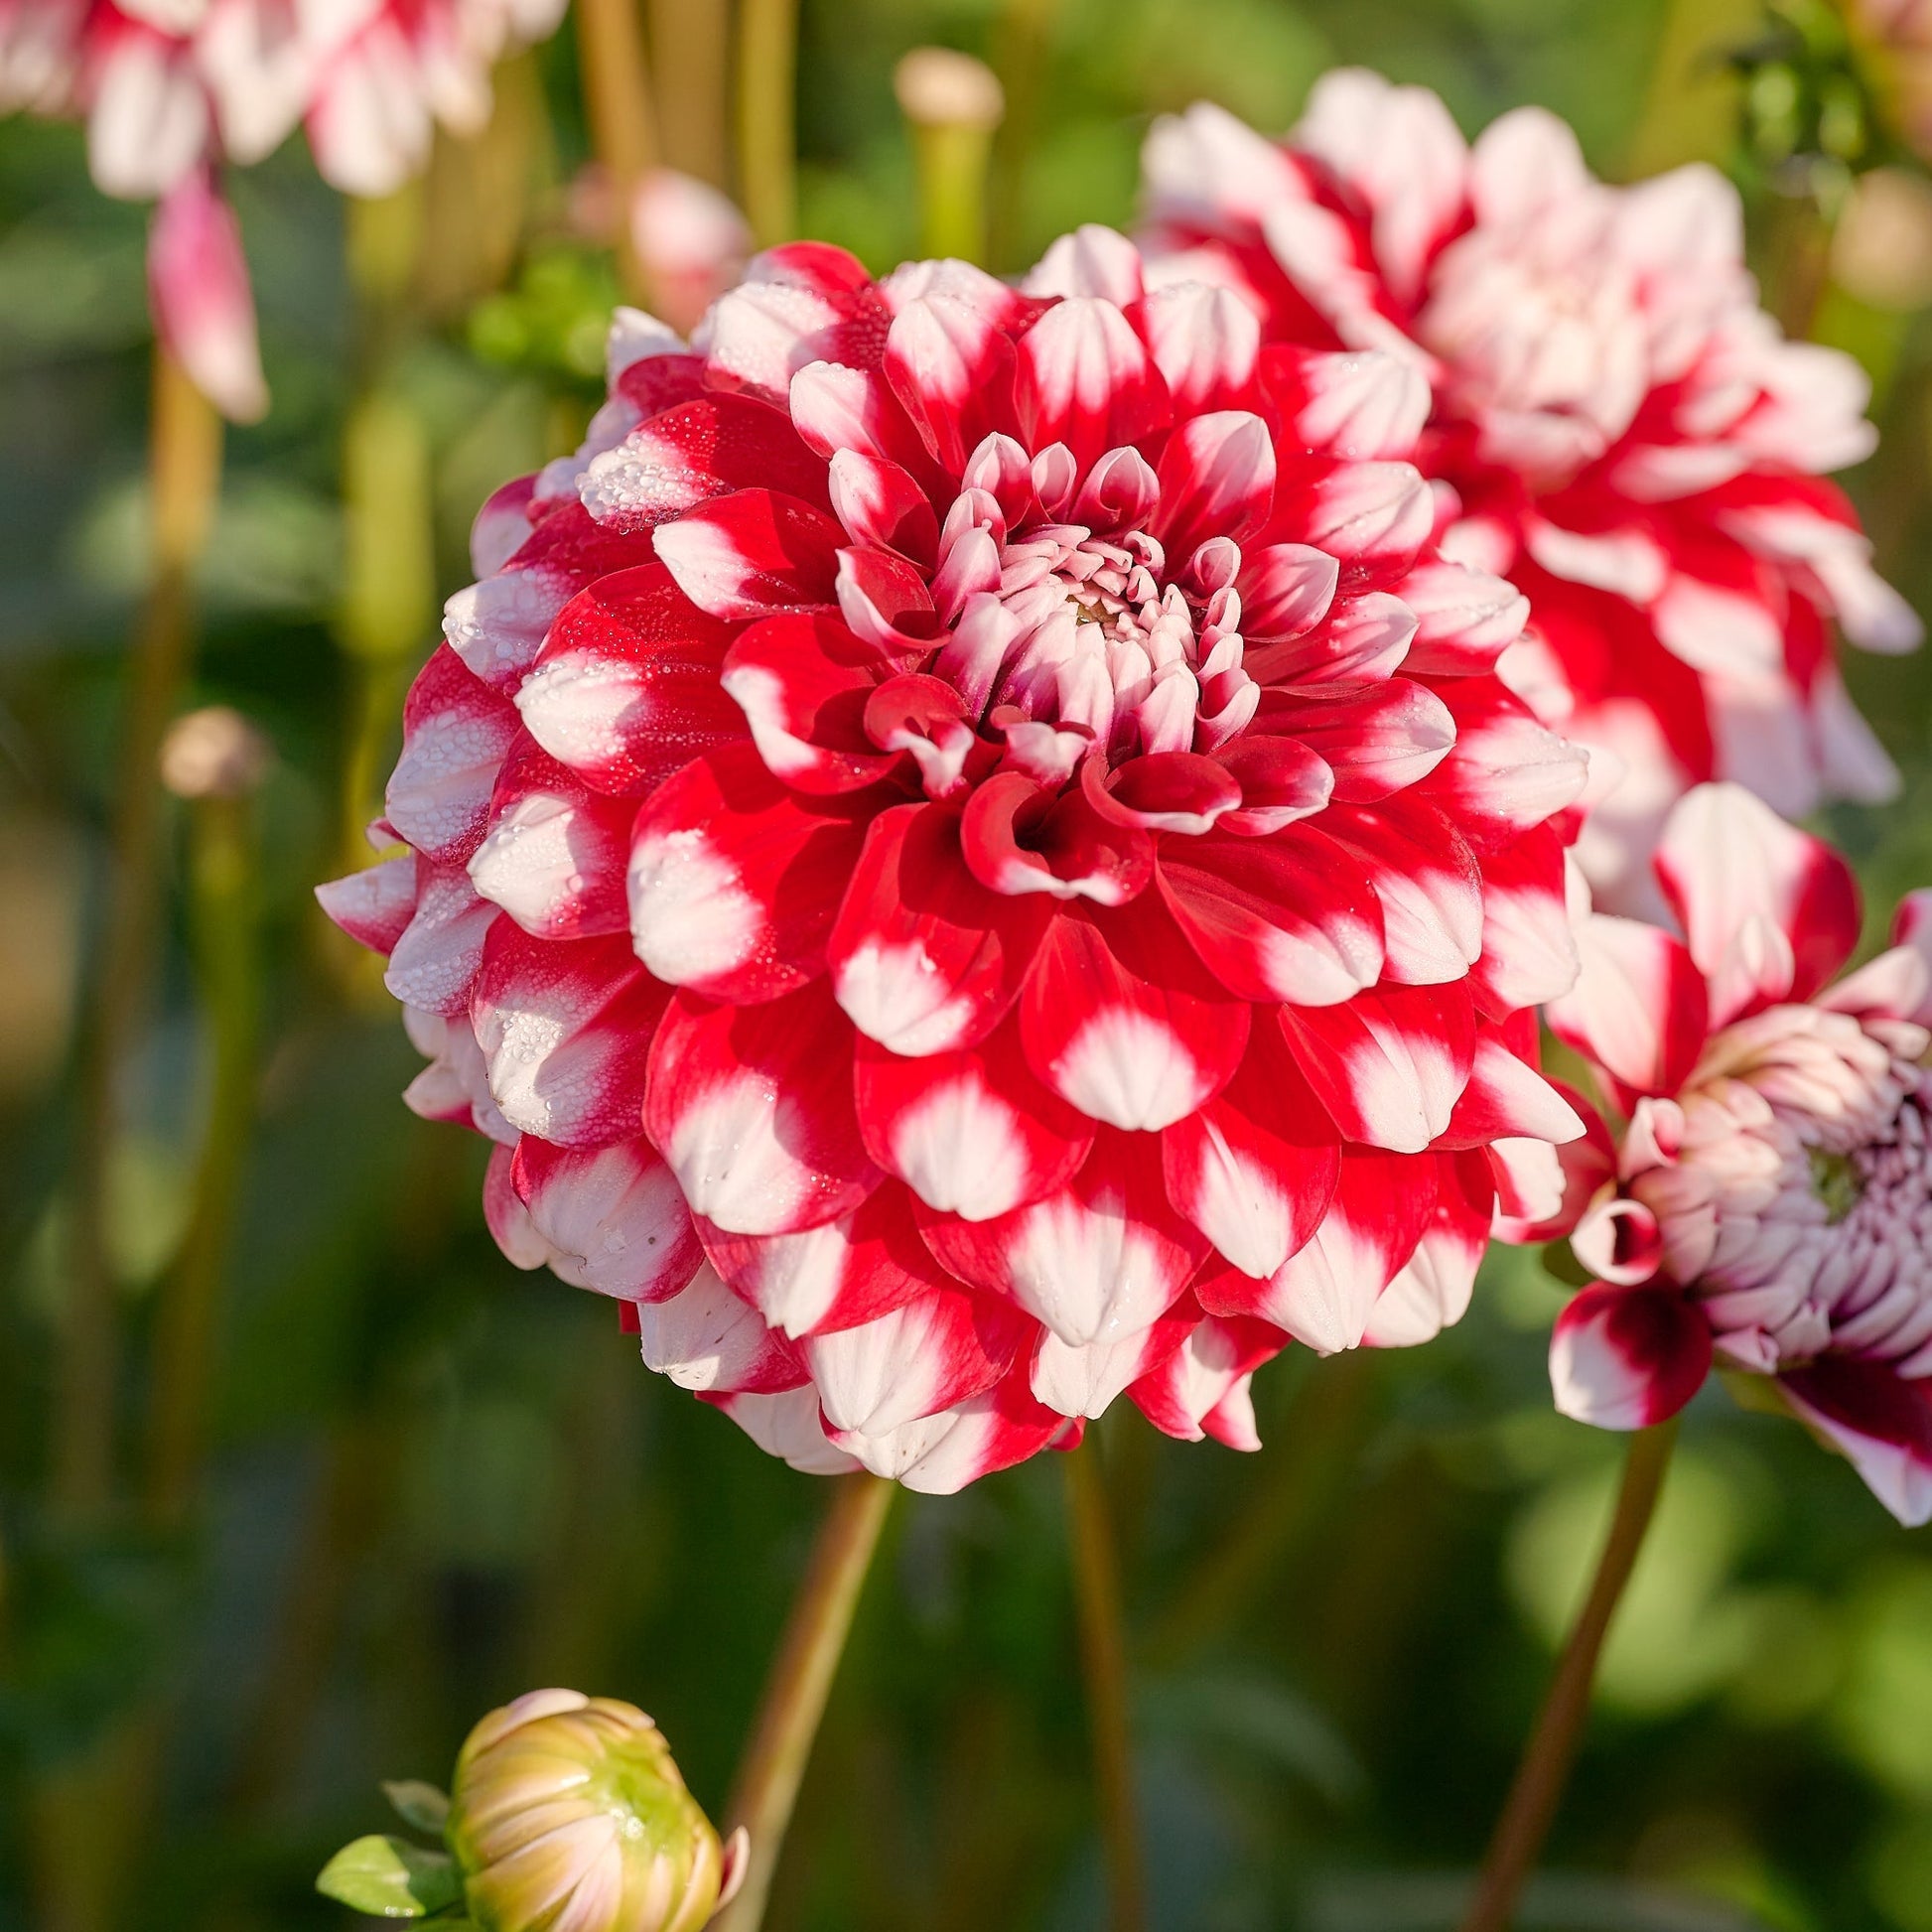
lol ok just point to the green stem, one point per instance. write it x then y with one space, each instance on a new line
185 471
221 870
690 47
1024 36
617 103
1103 1660
800 1681
768 117
1531 1807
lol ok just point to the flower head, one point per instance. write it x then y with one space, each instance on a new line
976 860
1768 1199
1614 422
570 1811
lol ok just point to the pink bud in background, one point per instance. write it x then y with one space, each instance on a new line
691 241
197 287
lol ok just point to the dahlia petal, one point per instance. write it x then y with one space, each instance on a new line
1629 1357
1200 1389
1255 1169
881 504
802 681
1207 343
1125 1023
454 1086
1639 1008
435 960
1852 761
1529 950
375 905
553 855
1164 791
197 288
626 688
1507 773
502 527
1882 1422
835 408
803 303
1285 591
844 1272
1432 1290
1281 781
1620 1242
751 1106
1103 1256
455 732
1092 260
734 881
1465 618
1522 163
1626 563
1381 738
1717 628
1373 515
610 1217
1086 380
1217 479
1083 1378
888 605
1390 1064
704 1338
752 553
1368 405
1508 1099
1364 641
941 1454
788 1426
1427 882
1770 913
969 1132
951 366
924 959
560 1024
1326 1292
944 1347
1018 840
507 1220
1288 917
706 448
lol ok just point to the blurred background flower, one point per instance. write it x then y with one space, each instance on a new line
429 1480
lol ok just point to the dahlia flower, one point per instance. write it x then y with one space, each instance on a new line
1764 1201
974 859
1613 423
170 89
570 1812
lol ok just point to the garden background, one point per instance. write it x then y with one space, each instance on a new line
432 1483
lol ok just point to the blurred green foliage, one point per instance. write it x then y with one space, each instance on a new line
437 1482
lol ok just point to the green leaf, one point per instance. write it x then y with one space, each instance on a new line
388 1877
418 1804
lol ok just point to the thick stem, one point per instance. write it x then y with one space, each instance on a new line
768 117
617 99
1020 49
185 472
690 48
802 1679
1103 1661
222 867
1531 1807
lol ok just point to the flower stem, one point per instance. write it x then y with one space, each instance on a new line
1531 1807
222 887
802 1679
617 99
185 472
768 117
690 47
1103 1660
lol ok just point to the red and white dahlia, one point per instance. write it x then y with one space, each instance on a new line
975 859
171 89
1764 1201
1614 423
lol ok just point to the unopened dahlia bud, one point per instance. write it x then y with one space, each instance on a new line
952 104
214 753
570 1811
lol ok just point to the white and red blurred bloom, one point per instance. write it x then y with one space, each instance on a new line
169 89
1765 1201
976 860
1615 423
691 241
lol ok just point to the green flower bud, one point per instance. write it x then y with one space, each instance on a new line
569 1814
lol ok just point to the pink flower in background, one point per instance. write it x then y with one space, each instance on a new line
169 89
1767 1201
691 242
975 860
1615 423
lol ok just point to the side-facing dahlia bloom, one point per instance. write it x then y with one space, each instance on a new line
169 89
1615 423
1764 1200
974 859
